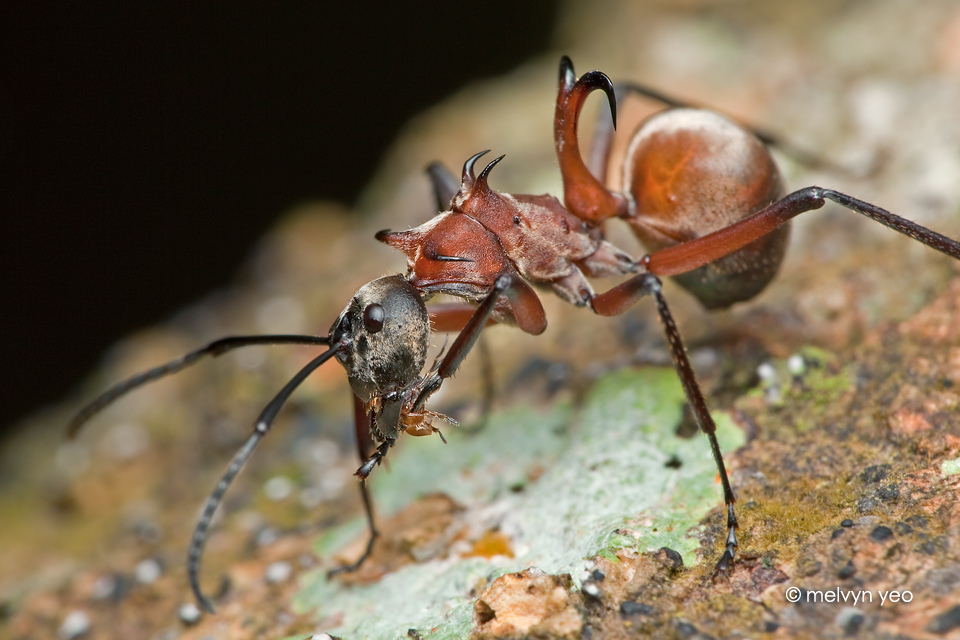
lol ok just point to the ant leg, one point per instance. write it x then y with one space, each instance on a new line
693 254
390 412
361 423
384 425
215 348
489 385
702 414
445 185
624 88
504 285
374 534
454 317
650 284
690 255
267 416
449 317
366 427
584 195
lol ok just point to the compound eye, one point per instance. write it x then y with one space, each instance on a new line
373 316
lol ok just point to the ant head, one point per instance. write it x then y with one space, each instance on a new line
386 330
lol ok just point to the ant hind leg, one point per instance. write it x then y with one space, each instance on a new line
646 284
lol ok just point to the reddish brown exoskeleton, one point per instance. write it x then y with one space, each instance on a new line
702 193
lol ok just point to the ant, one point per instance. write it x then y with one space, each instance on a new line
701 192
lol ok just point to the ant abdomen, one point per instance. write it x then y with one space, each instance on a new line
690 172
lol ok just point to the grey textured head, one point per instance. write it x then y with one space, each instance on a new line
387 328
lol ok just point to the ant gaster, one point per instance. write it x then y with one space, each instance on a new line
702 193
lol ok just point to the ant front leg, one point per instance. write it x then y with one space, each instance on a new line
367 425
504 285
393 406
454 317
362 422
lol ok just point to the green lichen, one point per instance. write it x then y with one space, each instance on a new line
602 484
950 467
823 379
820 385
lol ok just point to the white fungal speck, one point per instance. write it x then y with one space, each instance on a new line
278 572
189 613
74 625
278 488
767 373
147 571
770 381
795 365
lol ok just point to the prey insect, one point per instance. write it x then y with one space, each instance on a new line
701 192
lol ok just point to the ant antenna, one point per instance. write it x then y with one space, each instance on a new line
261 429
215 348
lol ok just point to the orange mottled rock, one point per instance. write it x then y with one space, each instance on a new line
530 602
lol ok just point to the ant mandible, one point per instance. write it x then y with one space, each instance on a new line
702 193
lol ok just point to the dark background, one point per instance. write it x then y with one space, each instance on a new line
146 148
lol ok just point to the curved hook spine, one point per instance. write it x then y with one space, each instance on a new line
568 76
584 195
599 80
481 182
467 178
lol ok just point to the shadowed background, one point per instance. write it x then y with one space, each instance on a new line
147 148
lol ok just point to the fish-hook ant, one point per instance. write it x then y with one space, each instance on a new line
702 193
